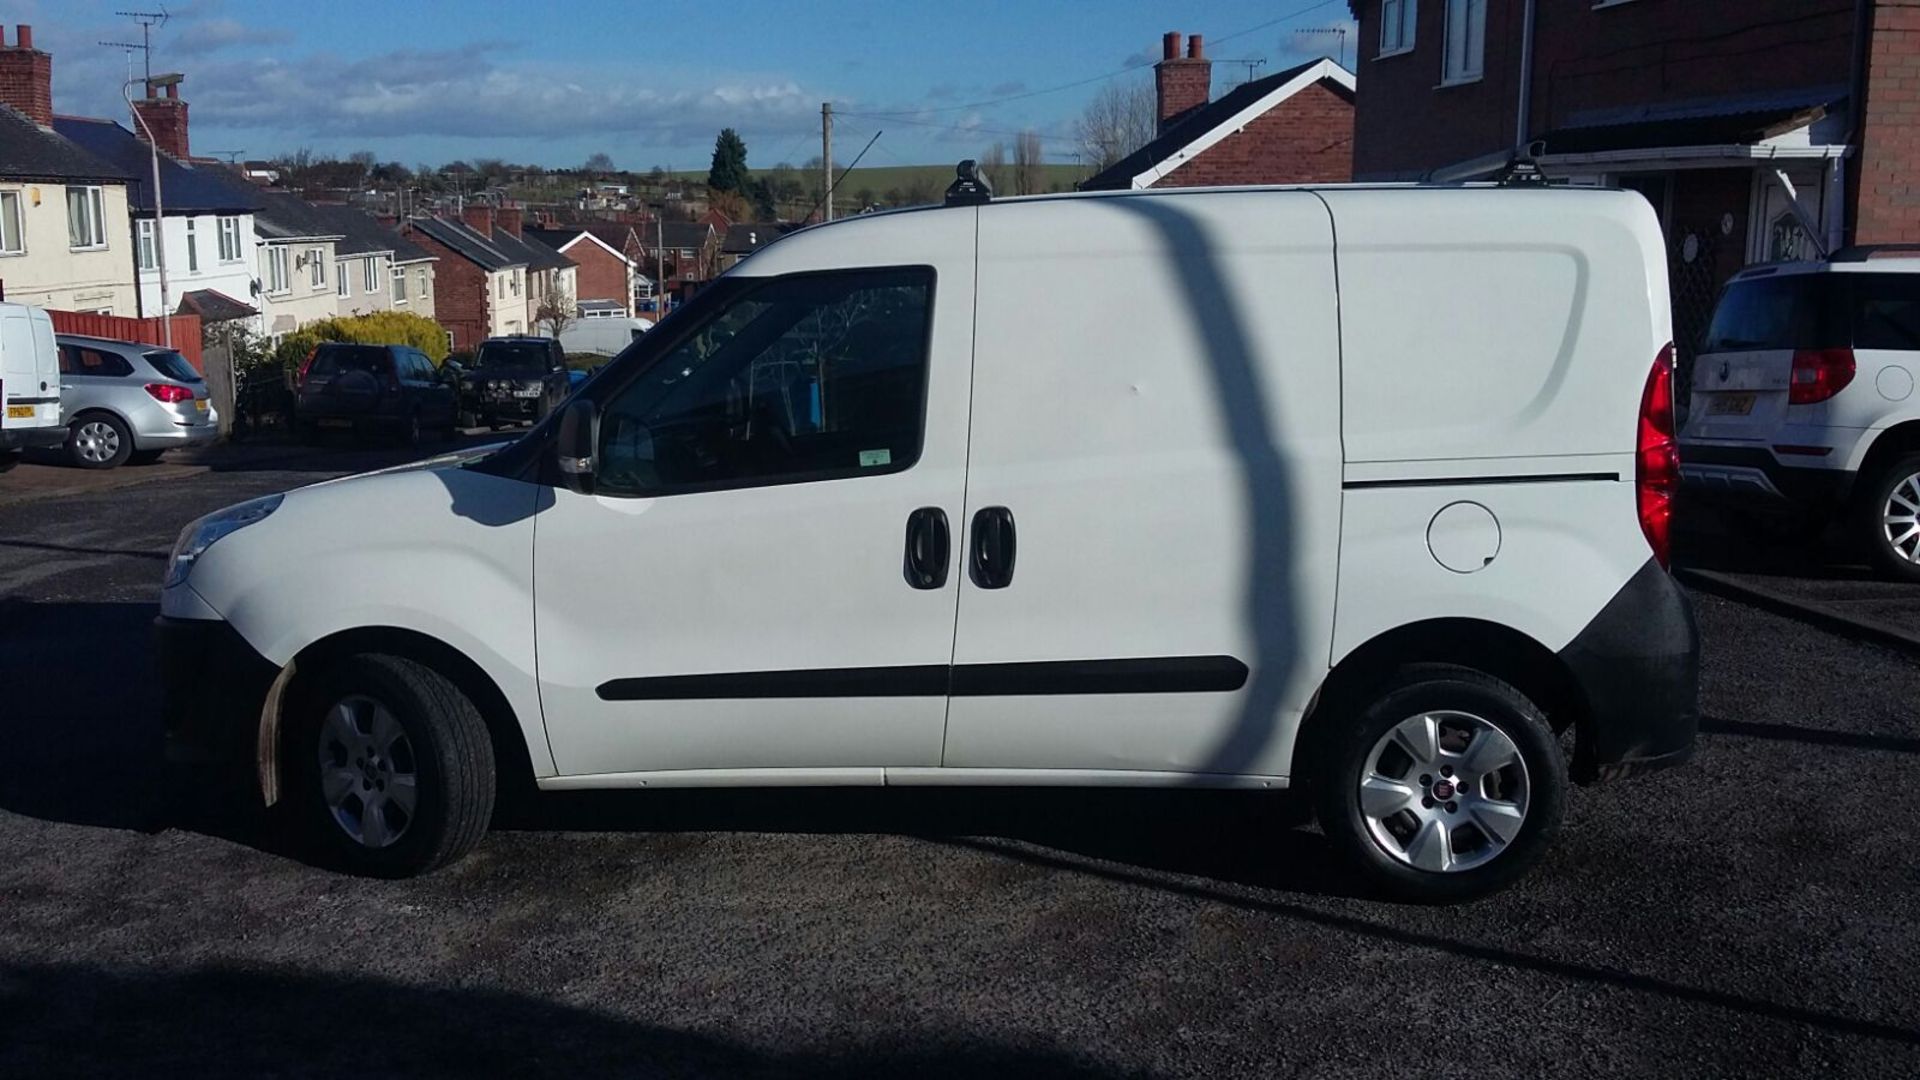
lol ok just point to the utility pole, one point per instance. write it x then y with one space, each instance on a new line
826 160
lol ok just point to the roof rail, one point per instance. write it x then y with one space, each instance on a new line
970 186
1511 167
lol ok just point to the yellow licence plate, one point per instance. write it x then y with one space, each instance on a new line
1731 405
19 412
200 405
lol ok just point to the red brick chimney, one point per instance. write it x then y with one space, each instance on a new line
1181 85
26 77
509 218
479 218
164 114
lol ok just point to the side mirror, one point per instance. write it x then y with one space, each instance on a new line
578 445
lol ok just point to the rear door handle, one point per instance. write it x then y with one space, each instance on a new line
928 546
993 548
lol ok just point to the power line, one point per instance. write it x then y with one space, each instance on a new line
965 128
1308 9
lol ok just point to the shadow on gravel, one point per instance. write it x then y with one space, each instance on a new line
91 1021
1813 736
1587 973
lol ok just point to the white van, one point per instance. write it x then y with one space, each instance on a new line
29 382
1167 489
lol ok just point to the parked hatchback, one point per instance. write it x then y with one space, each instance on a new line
125 401
367 389
1804 403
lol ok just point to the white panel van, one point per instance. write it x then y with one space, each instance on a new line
29 382
1361 491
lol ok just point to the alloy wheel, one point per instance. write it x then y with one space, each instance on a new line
1900 519
1444 791
368 776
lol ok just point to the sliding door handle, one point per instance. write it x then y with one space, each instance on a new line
993 548
928 548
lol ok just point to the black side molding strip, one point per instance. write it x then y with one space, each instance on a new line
1148 675
1468 481
33 400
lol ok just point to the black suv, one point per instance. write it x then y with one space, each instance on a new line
516 378
367 388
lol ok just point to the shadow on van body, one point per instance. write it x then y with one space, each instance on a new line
1268 603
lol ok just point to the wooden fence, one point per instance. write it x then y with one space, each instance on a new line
186 330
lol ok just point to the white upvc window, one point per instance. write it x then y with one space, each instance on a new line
370 278
143 248
229 239
1466 51
516 282
341 287
11 241
86 219
193 248
399 284
317 267
422 279
503 286
279 271
1396 26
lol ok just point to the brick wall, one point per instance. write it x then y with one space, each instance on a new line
459 293
1586 60
1306 139
166 117
1181 84
26 77
602 276
1886 182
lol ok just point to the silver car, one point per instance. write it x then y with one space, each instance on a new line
125 401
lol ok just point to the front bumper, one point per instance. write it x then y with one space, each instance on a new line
1637 665
213 685
22 438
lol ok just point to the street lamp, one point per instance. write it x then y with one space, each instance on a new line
159 218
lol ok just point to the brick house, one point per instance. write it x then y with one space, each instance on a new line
605 275
1291 127
480 286
66 235
1760 131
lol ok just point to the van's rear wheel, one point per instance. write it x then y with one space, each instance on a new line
389 766
1889 519
1450 785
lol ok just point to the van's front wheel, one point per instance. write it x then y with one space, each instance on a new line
390 767
1451 785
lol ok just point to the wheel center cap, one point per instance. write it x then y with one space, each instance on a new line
1443 790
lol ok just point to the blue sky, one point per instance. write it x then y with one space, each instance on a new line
433 80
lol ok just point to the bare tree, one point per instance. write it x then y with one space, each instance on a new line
1027 161
556 310
598 164
993 163
1119 120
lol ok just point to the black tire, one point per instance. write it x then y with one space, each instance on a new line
450 752
8 460
309 432
98 428
1343 762
144 457
1870 530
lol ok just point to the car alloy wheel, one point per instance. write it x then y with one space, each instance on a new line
1900 519
1444 791
368 776
96 442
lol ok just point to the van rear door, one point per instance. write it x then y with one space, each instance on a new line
29 369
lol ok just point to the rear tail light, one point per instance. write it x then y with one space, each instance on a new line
167 392
1656 472
304 365
1818 374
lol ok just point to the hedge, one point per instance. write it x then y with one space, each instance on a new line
379 328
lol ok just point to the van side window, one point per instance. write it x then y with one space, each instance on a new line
809 377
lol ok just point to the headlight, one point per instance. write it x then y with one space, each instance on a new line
196 538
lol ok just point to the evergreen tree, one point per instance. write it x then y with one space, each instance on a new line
729 171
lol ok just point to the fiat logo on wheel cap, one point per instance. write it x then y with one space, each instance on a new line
1443 790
